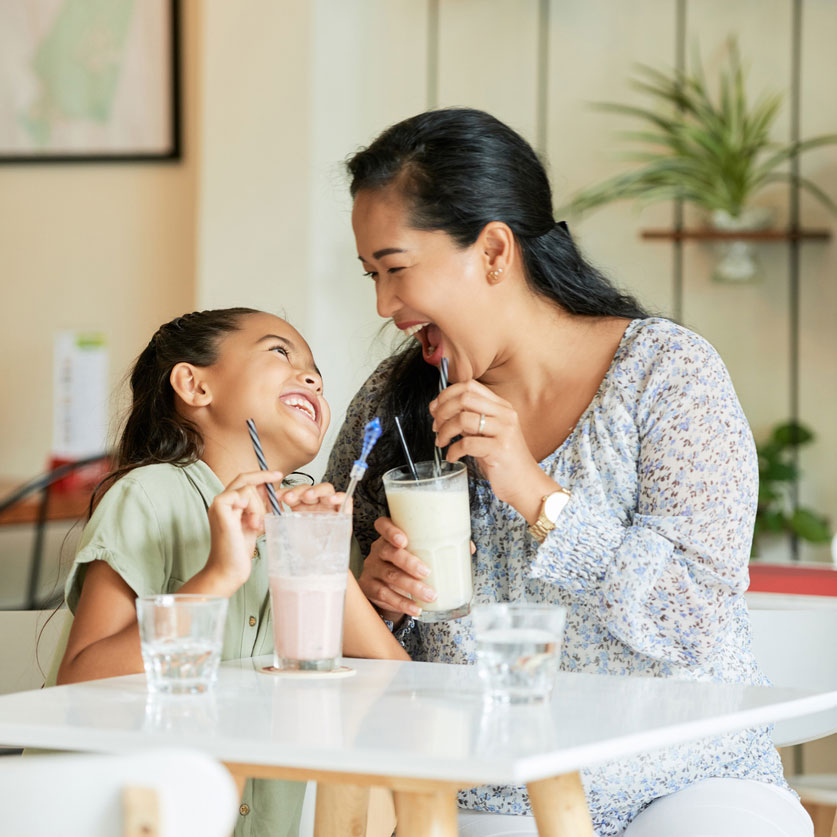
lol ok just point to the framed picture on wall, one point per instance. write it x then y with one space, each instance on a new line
89 80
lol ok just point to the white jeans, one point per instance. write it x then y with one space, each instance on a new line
712 808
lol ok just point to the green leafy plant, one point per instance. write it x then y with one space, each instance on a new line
713 152
777 472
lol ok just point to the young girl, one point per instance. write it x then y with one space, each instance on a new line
166 523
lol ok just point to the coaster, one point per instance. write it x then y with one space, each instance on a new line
303 674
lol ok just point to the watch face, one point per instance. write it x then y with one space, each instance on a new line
554 505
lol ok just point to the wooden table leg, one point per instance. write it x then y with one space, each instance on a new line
560 807
427 814
341 809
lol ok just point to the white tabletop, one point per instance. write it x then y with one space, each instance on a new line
417 720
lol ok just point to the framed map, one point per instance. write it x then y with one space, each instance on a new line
89 80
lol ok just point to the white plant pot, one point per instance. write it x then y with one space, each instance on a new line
737 260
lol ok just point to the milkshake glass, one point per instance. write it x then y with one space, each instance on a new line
308 560
435 515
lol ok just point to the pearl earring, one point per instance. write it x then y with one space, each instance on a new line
494 275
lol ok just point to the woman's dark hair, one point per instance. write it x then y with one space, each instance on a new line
458 169
154 431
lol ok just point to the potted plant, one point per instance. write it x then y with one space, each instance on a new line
713 152
777 471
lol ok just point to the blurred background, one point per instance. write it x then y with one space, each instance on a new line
253 208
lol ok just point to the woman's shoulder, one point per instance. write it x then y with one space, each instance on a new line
659 347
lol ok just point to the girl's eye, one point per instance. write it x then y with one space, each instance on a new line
281 349
395 270
371 274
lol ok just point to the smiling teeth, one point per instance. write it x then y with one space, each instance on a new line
302 404
414 329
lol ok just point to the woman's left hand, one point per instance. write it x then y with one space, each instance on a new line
312 498
491 434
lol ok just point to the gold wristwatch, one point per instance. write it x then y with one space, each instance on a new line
551 506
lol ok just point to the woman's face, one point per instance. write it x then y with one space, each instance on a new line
426 284
265 371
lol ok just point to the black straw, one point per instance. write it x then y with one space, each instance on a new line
406 449
257 446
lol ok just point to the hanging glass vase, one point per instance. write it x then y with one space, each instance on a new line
737 259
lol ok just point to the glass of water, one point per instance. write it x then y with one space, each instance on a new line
518 649
181 637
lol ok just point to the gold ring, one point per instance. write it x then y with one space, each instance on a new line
482 424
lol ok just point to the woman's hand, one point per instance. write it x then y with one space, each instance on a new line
390 573
491 434
236 519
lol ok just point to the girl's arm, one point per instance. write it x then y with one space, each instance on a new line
104 638
364 632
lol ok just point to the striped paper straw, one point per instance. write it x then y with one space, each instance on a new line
257 446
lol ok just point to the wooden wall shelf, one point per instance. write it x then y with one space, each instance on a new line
755 235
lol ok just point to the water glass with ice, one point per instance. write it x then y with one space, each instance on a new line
181 637
518 649
308 560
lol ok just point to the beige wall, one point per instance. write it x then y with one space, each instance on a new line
105 247
278 92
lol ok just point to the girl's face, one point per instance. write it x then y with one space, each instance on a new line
429 286
265 371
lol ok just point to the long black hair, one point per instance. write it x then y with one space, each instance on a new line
458 169
154 432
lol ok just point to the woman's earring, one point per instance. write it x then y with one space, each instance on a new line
494 275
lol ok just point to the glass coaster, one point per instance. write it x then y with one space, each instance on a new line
306 674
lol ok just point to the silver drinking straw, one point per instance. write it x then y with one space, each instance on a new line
257 446
443 382
371 434
406 449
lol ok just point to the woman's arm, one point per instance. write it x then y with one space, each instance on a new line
665 580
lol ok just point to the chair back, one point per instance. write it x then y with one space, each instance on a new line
28 639
793 642
156 793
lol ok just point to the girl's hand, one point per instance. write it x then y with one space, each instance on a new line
312 498
498 446
390 572
236 519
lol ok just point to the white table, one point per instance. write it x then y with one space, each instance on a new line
418 728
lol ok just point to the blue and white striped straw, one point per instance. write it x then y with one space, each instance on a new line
257 446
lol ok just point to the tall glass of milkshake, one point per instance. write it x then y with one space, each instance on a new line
434 514
308 559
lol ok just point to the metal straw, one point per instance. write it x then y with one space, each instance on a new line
371 434
257 446
437 452
406 449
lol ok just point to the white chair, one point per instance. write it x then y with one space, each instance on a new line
28 639
158 793
793 642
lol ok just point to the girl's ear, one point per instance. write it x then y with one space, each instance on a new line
189 385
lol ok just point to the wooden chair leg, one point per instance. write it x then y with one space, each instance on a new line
381 819
341 809
140 812
560 807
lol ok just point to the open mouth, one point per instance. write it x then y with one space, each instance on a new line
430 337
303 403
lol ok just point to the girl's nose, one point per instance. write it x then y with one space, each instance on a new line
313 381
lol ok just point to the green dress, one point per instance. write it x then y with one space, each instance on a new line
152 528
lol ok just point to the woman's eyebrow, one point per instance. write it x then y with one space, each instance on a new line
387 251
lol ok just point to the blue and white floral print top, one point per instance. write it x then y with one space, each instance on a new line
650 555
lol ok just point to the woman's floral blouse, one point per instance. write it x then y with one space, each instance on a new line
650 556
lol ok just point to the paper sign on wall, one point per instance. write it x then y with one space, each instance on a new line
80 408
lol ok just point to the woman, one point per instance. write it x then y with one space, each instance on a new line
612 469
